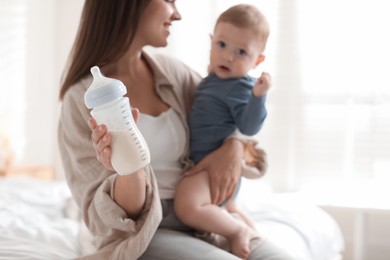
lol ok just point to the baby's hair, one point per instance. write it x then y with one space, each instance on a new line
247 16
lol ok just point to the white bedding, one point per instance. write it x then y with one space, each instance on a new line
35 224
32 220
292 222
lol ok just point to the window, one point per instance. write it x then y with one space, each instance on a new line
12 72
29 82
343 99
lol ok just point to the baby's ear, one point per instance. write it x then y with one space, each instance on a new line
260 59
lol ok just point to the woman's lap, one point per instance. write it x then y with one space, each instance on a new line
267 250
173 241
170 244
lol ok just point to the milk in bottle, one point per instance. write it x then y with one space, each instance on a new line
106 98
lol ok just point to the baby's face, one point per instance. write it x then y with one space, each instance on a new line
234 51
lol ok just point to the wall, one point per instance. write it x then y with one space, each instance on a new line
51 28
366 232
68 17
40 87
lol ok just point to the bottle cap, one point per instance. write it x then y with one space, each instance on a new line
102 89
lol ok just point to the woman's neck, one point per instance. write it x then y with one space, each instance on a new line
133 70
129 65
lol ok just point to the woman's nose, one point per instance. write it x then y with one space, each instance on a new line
176 15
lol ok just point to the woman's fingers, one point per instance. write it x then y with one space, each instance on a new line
135 113
223 191
105 158
101 138
101 141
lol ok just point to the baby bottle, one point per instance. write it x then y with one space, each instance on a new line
106 98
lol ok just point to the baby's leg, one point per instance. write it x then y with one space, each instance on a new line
193 207
193 202
232 207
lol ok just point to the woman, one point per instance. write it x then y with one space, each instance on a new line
124 212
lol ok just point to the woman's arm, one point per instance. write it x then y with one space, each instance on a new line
129 190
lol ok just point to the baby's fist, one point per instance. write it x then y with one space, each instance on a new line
263 84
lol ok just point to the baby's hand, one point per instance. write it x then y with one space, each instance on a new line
263 84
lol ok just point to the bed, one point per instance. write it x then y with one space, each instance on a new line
38 220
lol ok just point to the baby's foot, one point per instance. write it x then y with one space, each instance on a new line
255 157
240 242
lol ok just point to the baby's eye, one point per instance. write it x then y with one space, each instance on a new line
170 1
221 44
241 52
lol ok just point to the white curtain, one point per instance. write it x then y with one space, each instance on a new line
329 108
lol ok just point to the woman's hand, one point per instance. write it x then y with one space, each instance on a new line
224 169
101 140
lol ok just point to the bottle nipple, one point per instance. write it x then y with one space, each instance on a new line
98 79
95 71
102 89
97 76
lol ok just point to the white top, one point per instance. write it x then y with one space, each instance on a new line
166 139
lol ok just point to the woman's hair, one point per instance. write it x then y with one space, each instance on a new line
247 16
106 30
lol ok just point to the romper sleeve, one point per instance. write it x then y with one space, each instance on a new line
247 110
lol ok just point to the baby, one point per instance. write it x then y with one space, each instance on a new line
226 100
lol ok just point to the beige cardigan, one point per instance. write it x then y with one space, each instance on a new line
115 235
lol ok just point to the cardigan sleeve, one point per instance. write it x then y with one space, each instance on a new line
92 186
